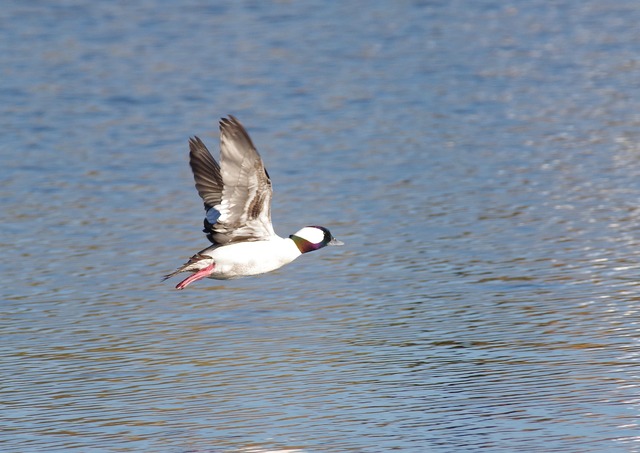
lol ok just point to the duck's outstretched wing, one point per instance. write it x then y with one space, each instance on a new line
206 173
237 193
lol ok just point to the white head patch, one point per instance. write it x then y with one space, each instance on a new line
311 234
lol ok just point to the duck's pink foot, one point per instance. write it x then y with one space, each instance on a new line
202 273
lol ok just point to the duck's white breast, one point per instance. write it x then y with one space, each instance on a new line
252 258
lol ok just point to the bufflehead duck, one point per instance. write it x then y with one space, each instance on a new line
237 200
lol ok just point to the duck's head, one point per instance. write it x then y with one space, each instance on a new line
312 238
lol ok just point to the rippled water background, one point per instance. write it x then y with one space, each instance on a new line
481 160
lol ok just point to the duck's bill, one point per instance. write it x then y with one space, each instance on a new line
334 241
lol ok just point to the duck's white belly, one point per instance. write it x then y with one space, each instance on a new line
251 258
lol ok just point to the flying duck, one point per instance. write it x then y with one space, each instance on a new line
237 201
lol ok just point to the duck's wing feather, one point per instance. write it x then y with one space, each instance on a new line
237 194
206 173
245 209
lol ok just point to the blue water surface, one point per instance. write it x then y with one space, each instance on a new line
481 161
